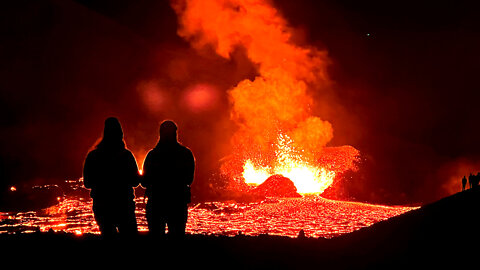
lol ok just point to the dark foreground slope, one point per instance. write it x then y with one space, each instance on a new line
444 233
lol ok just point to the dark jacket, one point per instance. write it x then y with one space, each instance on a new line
111 173
168 172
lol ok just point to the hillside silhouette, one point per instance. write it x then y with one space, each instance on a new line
440 233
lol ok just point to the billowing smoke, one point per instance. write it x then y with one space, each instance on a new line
277 131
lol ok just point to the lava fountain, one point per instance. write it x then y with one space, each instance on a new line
277 131
306 178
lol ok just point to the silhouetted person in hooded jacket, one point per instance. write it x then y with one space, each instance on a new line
168 172
111 172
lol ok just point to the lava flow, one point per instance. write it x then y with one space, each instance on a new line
277 130
316 216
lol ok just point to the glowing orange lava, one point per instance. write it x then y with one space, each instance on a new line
307 178
317 216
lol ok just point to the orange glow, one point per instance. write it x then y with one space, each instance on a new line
277 130
13 188
306 178
154 97
140 156
317 216
201 97
255 175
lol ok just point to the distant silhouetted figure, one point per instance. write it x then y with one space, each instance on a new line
111 172
464 182
168 172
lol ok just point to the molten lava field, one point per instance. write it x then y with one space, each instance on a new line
316 216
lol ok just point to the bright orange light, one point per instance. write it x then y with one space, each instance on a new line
13 188
140 172
255 175
307 178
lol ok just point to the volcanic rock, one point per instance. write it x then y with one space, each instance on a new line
277 186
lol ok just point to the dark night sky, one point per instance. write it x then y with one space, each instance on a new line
406 87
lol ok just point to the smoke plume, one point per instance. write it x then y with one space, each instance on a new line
276 105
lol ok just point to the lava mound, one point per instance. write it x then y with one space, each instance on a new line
277 186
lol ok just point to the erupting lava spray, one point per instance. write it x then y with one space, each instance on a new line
277 133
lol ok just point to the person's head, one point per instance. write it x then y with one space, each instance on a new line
113 129
168 131
112 133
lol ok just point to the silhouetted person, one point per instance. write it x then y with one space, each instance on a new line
464 183
476 180
470 180
168 172
111 172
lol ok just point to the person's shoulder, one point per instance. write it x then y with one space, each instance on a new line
127 152
152 154
153 151
186 151
184 148
92 153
